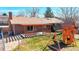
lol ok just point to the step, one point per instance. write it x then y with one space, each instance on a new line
12 38
20 36
23 35
15 38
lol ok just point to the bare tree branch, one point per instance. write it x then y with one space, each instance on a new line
34 12
69 13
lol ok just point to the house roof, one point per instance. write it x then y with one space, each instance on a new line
34 21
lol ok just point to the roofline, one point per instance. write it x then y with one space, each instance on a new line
35 24
31 24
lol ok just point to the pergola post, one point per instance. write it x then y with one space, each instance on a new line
14 29
24 29
3 40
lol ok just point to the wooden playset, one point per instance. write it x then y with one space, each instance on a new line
68 31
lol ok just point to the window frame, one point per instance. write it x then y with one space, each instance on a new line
30 27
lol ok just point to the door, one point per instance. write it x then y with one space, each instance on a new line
52 28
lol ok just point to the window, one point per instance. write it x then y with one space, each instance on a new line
48 26
30 28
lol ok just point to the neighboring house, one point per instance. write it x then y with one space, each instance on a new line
30 25
4 25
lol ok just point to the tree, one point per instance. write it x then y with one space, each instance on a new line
34 12
21 13
49 13
4 14
69 13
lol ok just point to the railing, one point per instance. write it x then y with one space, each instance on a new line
4 23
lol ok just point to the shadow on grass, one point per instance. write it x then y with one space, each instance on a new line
57 46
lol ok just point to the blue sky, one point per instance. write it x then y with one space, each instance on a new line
15 10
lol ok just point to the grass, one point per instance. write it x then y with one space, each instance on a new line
77 42
38 43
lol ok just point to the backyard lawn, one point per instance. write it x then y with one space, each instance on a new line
38 43
77 42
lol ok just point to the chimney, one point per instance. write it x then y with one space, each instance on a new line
10 15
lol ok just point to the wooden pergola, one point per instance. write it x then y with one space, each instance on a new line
2 35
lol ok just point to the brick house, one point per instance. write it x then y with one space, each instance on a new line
32 25
29 25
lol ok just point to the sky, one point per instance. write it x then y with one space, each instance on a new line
16 10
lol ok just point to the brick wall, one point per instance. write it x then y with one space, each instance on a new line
21 29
